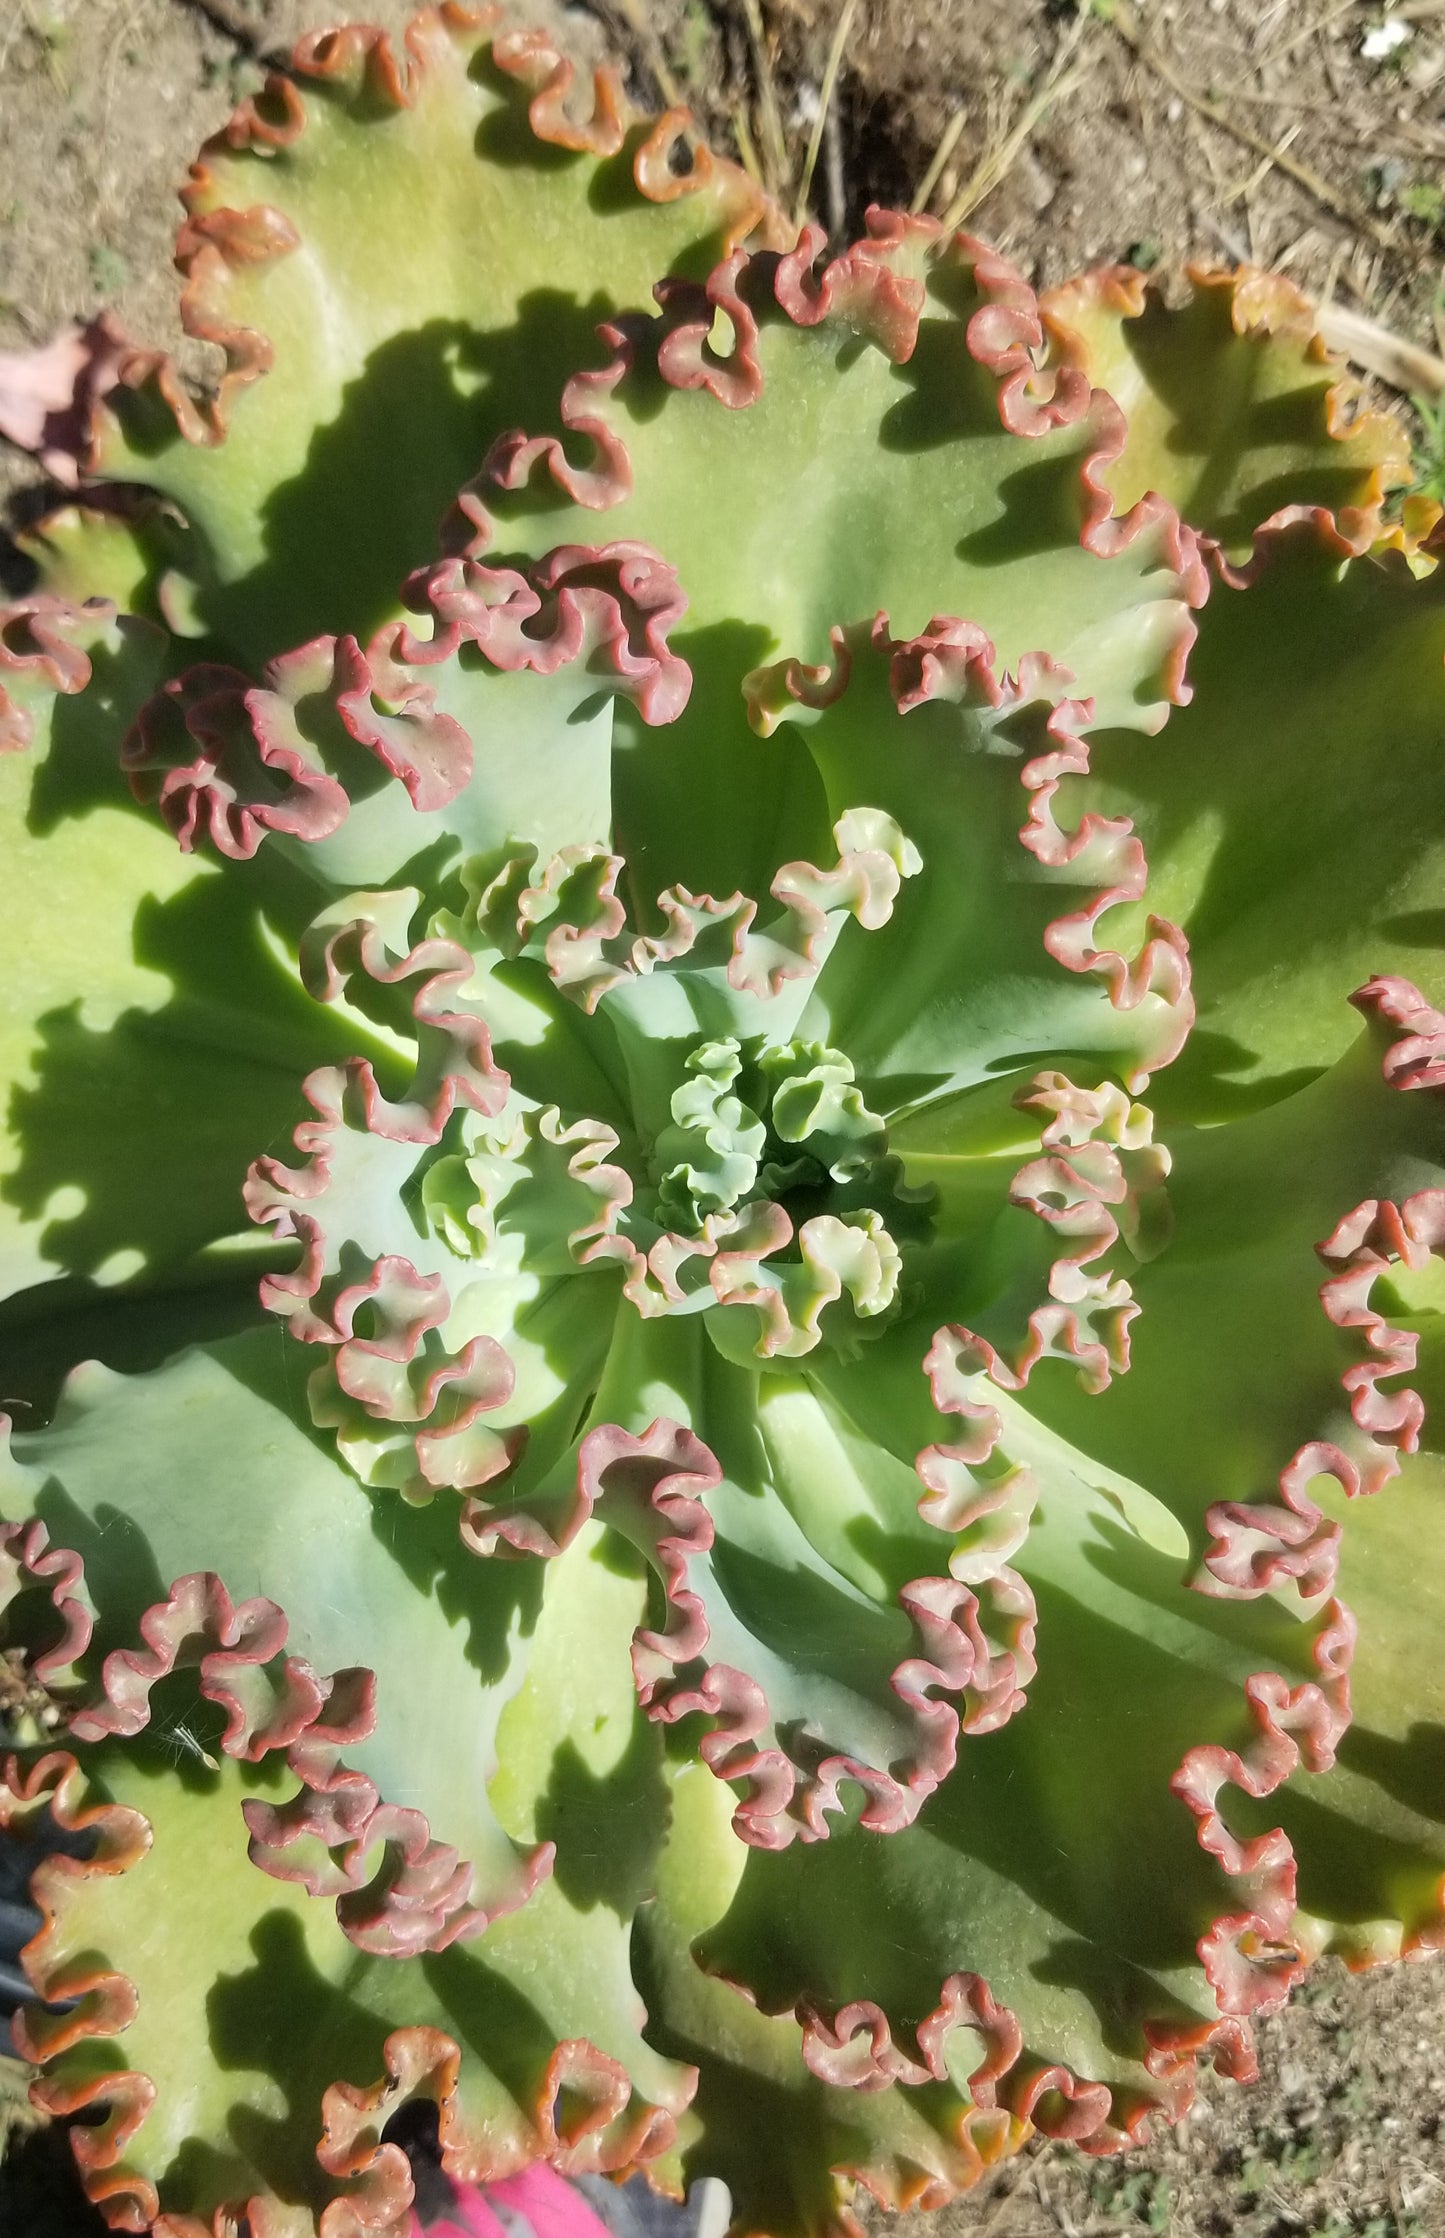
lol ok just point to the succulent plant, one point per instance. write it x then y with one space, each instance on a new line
723 1187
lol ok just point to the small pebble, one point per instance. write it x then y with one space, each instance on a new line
1038 185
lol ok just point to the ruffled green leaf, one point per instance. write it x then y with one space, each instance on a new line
149 1025
1056 1864
1235 1368
1292 813
502 1679
1235 409
411 263
943 478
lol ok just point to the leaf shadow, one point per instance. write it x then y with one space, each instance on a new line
1412 1770
285 2020
339 541
494 1597
607 1826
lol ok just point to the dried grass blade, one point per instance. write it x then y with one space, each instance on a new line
825 98
652 51
952 132
1415 372
997 162
746 151
775 146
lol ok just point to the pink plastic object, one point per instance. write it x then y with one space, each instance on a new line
538 2197
45 394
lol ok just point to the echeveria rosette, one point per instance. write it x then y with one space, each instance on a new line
789 1382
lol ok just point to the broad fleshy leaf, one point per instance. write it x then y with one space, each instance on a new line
411 243
1236 410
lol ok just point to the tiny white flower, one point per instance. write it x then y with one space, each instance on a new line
1384 39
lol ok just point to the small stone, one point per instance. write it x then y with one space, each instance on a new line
1037 185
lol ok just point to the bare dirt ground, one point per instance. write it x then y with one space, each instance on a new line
1304 134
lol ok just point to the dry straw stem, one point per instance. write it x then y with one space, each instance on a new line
997 160
1309 31
949 141
770 119
1414 371
1255 178
746 150
825 100
634 15
1127 25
